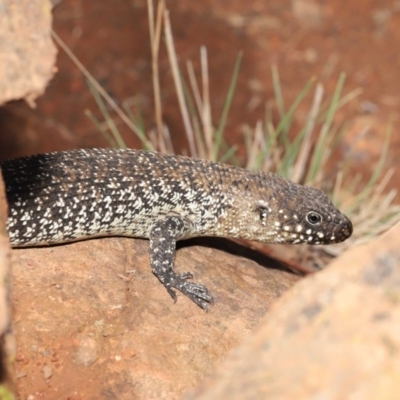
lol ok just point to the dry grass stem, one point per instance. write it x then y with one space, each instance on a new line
299 169
206 112
103 93
178 84
155 35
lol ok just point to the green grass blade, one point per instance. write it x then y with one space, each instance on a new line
228 101
278 135
276 84
109 138
228 155
197 128
287 117
107 117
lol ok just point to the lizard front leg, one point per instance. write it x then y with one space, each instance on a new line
163 237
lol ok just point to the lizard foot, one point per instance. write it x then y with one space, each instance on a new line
197 293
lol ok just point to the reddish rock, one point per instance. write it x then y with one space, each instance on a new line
7 340
26 49
95 315
335 335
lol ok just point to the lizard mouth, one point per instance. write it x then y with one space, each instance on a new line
341 233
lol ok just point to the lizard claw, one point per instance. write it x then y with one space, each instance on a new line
197 293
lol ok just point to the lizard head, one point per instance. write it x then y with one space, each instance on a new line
306 215
280 211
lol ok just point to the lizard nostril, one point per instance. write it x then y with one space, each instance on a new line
349 229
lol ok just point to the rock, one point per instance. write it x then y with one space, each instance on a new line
26 49
335 335
47 372
309 13
95 314
7 339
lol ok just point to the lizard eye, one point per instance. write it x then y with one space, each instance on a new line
313 218
263 215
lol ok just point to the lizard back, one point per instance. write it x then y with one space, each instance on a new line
67 196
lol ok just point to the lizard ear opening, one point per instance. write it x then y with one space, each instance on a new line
263 213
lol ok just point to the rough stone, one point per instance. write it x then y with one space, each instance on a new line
95 314
7 339
26 49
335 335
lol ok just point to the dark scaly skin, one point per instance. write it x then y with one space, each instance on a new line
68 196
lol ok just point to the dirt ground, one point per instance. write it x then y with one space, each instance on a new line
304 38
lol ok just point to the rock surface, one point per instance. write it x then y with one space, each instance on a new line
26 49
335 335
7 340
87 328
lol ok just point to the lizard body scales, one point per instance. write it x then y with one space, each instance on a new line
67 196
